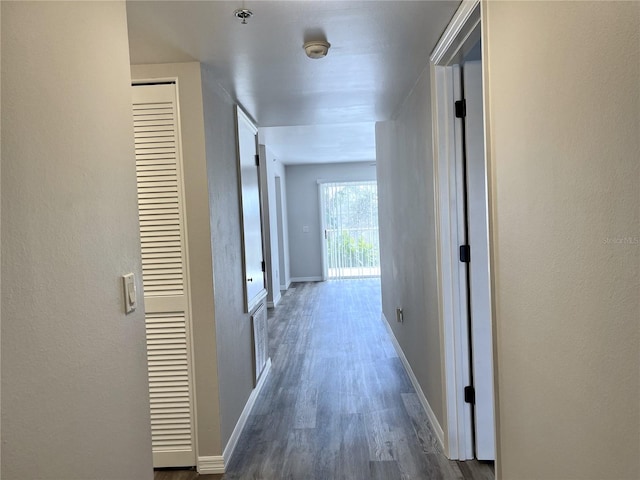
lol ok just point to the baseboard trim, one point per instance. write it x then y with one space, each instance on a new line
210 465
227 454
423 399
306 279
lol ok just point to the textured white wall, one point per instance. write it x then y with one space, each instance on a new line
407 238
233 326
564 123
74 381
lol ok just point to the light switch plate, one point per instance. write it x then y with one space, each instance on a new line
129 285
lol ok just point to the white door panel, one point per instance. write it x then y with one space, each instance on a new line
479 282
164 273
255 287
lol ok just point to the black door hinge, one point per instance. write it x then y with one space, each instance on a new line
461 108
264 266
470 395
257 157
465 253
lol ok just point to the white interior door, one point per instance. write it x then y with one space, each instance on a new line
479 281
254 271
164 270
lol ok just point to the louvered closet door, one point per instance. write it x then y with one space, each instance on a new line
160 204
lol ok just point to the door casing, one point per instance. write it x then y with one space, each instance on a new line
463 32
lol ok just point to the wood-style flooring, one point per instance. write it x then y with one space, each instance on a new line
338 403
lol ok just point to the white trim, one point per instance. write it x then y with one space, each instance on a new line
304 279
210 465
461 26
437 428
227 454
244 116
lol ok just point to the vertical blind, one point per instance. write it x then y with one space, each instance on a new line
351 229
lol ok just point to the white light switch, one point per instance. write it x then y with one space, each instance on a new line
305 229
129 284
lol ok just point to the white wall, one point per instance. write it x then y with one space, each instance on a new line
74 377
407 239
283 228
233 326
562 80
303 209
277 273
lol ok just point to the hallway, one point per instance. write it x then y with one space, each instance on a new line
338 403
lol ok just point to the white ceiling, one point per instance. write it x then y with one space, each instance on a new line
346 142
378 50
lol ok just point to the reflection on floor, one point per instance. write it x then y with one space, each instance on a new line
338 403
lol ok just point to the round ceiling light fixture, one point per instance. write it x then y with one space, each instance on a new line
243 13
316 48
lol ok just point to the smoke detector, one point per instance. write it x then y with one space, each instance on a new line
316 49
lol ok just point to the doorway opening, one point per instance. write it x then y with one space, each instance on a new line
281 236
463 237
351 245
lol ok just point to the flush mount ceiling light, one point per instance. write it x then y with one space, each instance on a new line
316 48
243 13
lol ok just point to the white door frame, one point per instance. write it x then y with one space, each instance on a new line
462 33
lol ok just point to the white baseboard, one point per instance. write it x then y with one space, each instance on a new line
306 279
423 400
210 465
244 416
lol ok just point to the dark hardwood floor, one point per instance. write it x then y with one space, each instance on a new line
338 403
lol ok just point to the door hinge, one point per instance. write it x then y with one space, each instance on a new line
470 395
461 108
264 266
465 253
257 157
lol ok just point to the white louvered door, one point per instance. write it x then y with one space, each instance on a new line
164 270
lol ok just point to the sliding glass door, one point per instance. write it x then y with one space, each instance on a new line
350 217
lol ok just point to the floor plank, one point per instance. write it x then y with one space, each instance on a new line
338 403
